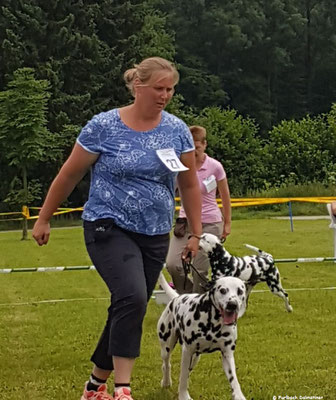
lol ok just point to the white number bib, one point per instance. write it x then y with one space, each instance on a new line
210 183
170 160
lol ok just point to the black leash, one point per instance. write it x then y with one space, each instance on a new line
187 267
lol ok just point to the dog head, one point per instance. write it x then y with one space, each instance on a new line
229 297
219 257
209 242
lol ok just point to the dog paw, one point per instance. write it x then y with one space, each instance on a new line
166 383
239 397
187 397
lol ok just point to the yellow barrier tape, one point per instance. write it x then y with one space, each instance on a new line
12 219
11 213
25 212
235 202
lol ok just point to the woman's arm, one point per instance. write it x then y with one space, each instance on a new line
70 174
191 197
224 193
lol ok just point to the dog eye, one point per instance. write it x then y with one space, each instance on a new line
223 291
240 292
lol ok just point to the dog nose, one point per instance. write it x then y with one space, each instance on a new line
231 306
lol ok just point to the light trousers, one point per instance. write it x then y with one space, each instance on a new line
201 263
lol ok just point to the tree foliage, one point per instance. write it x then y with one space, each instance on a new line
25 140
233 140
271 60
303 151
260 75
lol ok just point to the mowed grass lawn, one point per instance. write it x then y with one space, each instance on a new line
50 322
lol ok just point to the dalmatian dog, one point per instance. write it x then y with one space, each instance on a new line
250 269
202 324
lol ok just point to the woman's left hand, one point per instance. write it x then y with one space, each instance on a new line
226 231
191 248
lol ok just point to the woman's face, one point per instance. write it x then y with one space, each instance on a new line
200 149
157 92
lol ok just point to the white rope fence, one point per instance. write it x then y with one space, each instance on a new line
92 267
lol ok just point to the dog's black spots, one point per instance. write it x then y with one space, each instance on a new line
256 268
233 348
165 336
196 323
181 324
193 338
171 306
210 349
203 306
231 379
162 327
203 328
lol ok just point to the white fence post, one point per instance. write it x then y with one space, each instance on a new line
332 225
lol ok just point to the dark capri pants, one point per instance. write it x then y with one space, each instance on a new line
130 264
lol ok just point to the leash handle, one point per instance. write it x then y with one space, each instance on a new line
187 267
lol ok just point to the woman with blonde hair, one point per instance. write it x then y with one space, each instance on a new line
135 154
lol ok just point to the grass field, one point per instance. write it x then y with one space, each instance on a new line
50 322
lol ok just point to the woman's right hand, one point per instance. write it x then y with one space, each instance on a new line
41 232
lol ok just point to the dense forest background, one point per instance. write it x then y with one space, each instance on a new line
259 74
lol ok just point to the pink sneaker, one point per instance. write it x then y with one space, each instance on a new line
122 394
100 394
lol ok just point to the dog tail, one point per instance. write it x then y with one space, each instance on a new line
260 252
255 249
170 292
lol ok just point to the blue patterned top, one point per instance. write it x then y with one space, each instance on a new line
129 182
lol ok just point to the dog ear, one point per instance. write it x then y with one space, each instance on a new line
208 285
243 307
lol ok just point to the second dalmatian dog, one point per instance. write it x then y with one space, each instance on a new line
202 324
250 269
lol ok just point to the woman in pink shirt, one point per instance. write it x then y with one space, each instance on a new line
212 178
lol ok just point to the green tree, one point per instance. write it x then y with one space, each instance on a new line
25 141
82 48
233 140
154 39
302 151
